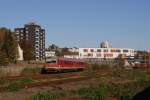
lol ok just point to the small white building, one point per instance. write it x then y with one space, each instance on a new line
49 54
105 52
20 54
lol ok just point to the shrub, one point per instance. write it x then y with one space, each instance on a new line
25 80
105 66
99 66
48 95
103 90
31 70
3 59
12 87
123 91
93 93
95 67
3 82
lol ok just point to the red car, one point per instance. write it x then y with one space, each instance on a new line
63 64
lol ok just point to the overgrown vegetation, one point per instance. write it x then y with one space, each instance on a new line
12 87
31 70
48 95
25 80
123 84
106 80
93 93
92 69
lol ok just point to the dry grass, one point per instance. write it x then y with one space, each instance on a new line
15 70
10 71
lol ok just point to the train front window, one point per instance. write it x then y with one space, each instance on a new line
51 62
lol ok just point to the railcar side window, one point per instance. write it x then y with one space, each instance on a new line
51 62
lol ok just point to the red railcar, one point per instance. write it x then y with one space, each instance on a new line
61 64
144 65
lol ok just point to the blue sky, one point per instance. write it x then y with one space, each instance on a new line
83 23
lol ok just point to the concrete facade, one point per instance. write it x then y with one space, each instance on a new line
34 35
109 53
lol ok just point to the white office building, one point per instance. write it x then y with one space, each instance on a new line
49 54
109 53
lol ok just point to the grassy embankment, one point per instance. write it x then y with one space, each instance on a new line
105 83
12 85
28 74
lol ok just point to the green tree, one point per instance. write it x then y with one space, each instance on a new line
27 50
121 60
3 59
8 46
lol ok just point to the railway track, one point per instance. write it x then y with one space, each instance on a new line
42 76
55 82
64 80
